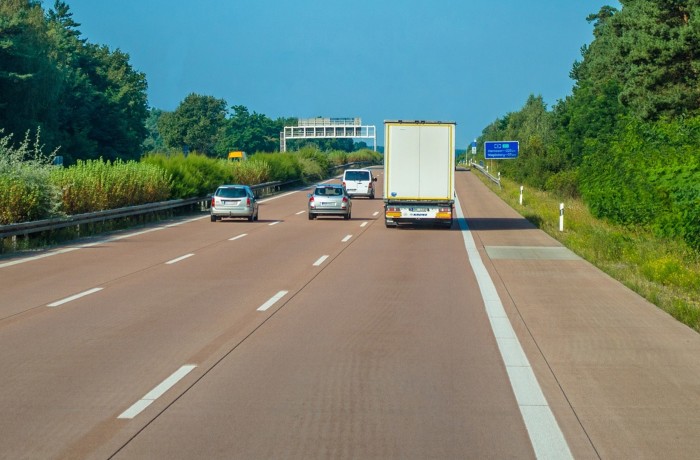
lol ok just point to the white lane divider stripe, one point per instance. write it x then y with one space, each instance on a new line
174 261
74 297
376 213
364 224
274 223
320 261
238 237
273 300
157 392
545 434
301 212
347 238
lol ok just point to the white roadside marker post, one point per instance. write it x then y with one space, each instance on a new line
521 195
561 217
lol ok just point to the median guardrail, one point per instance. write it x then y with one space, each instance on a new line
38 226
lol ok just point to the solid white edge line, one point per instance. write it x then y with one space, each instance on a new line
320 261
157 392
346 239
272 300
74 297
545 434
238 237
178 259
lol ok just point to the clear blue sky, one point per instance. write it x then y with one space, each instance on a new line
468 61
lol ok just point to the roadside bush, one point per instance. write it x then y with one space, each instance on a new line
365 155
96 185
312 171
338 157
283 166
563 183
254 171
26 192
648 176
193 175
313 154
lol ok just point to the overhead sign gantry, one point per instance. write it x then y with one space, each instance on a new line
328 128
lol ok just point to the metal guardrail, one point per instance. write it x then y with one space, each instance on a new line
495 180
27 228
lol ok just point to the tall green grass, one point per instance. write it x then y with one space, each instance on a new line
26 192
665 271
96 185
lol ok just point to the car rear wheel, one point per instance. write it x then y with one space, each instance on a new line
311 216
213 218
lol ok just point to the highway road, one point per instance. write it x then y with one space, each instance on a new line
290 338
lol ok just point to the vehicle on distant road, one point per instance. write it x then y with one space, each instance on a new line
359 182
329 200
234 201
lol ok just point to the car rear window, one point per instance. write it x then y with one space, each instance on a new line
328 191
230 192
356 175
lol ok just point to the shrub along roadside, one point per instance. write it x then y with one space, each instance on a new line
665 271
96 185
26 192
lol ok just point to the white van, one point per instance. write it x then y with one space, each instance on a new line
359 182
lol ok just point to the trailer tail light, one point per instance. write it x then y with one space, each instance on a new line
444 213
393 212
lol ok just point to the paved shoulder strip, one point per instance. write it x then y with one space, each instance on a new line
545 435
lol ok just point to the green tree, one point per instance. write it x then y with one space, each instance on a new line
27 73
197 123
251 132
153 142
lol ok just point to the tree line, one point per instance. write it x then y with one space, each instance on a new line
88 101
626 139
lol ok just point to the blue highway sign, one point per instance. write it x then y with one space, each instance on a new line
500 150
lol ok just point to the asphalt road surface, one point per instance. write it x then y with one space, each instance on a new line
290 338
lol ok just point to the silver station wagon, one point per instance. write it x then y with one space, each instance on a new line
234 201
329 200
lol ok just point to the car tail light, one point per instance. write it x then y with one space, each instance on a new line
345 199
247 203
344 186
213 201
311 199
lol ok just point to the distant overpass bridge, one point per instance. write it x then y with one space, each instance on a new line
328 128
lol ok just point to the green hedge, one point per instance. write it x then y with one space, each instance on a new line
649 176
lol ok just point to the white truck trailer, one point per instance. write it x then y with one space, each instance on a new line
419 172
